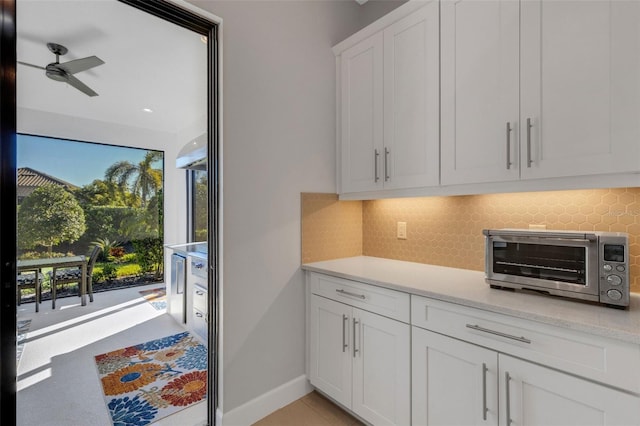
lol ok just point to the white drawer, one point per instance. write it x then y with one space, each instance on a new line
200 298
199 324
600 359
379 300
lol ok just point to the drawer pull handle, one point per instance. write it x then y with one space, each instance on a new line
347 293
386 164
198 314
355 326
497 333
529 126
507 379
200 293
345 342
508 147
484 392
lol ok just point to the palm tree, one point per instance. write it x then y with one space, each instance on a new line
141 179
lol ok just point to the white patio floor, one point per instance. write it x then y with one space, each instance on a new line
57 378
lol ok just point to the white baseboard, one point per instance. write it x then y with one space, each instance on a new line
267 403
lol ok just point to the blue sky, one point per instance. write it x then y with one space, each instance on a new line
78 163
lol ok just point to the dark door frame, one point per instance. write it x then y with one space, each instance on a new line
8 234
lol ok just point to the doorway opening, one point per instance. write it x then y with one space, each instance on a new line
48 116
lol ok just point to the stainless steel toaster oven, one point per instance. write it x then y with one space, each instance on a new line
591 266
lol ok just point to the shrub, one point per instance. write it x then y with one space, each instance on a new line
128 270
106 246
41 255
149 254
109 272
116 252
128 258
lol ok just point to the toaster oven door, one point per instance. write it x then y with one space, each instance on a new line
547 263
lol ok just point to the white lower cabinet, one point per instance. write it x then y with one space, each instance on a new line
392 358
459 383
361 360
535 395
453 382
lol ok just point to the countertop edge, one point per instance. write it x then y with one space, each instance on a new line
593 329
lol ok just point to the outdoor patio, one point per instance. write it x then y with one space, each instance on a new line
58 382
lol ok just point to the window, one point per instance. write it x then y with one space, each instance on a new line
198 193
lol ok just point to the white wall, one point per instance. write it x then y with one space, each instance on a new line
279 140
62 126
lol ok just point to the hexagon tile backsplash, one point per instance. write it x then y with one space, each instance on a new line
447 231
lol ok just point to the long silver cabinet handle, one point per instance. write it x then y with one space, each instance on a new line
498 333
386 164
376 154
345 342
507 379
355 326
508 145
484 392
529 126
348 293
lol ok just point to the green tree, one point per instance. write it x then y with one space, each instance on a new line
141 179
103 193
49 216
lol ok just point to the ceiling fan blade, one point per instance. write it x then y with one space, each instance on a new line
31 65
78 65
73 81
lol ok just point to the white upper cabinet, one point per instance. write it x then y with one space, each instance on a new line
389 105
580 87
361 78
539 89
411 109
479 91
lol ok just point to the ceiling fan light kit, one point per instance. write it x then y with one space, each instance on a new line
64 71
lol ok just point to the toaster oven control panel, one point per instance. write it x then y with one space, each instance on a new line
614 277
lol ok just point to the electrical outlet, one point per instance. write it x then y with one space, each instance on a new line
402 230
538 227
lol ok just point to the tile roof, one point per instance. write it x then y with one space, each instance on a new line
30 179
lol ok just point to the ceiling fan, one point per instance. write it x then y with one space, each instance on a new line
64 71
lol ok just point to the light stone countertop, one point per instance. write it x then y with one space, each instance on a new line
468 288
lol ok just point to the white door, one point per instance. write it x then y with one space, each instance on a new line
453 382
330 357
479 75
381 369
411 100
361 116
580 87
535 395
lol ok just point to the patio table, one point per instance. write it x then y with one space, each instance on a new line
37 265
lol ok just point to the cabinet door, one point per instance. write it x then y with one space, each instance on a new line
453 382
330 357
361 115
381 369
479 91
411 94
580 87
535 395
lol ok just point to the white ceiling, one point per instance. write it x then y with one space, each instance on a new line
149 63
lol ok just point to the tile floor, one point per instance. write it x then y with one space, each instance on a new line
312 409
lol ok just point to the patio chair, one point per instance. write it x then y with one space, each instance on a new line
25 280
73 275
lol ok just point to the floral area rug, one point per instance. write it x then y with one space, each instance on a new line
157 297
23 327
147 382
